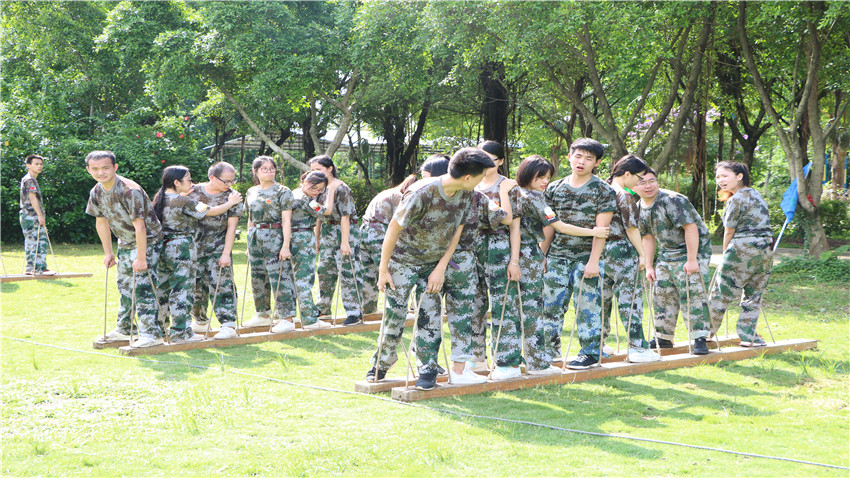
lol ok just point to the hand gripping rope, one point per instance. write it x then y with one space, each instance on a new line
565 356
499 333
649 291
215 298
407 351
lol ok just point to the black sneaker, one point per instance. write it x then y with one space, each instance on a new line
662 344
427 381
353 320
370 375
583 362
700 348
441 370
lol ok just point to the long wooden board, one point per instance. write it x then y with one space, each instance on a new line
253 338
390 383
611 369
58 275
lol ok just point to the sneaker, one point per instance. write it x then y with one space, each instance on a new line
467 377
46 272
189 340
353 320
319 324
199 327
144 342
583 362
642 355
758 342
662 344
504 373
115 335
283 326
411 314
258 321
370 375
545 371
608 350
700 347
29 273
426 381
225 333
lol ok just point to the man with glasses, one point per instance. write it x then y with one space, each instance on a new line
214 241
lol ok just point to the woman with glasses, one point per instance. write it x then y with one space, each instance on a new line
269 235
179 215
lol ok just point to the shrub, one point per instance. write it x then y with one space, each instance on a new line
828 268
835 216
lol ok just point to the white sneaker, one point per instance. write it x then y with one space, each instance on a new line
194 338
411 314
226 333
504 373
546 371
199 327
115 335
258 321
144 342
320 324
609 350
283 326
642 355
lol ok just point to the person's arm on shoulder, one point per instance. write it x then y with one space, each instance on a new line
331 197
692 246
591 269
141 262
438 275
232 200
387 248
105 235
573 230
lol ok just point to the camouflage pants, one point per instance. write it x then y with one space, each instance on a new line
331 261
270 275
494 252
531 265
671 293
35 243
206 277
746 267
147 304
371 241
429 324
561 278
304 257
177 283
622 278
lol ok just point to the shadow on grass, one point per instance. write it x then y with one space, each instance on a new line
9 287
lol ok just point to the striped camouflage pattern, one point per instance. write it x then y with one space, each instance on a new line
664 220
578 206
120 205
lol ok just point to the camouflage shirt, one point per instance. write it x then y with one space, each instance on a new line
746 212
382 207
578 206
536 215
30 185
628 215
343 204
493 194
180 215
212 230
429 219
305 210
484 213
120 205
266 205
664 220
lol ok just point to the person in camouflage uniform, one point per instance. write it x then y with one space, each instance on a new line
377 217
31 217
497 254
179 215
573 261
625 257
420 241
747 255
338 248
214 238
669 222
122 207
305 211
269 237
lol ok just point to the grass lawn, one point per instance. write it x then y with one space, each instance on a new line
67 411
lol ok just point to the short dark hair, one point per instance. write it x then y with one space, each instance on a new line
99 155
470 161
493 147
325 161
590 145
220 167
532 167
436 164
33 156
627 164
651 171
736 168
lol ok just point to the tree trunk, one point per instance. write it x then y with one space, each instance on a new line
307 143
494 106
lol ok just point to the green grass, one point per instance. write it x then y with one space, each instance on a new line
70 413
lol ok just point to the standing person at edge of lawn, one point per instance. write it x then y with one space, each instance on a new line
31 217
419 244
122 207
747 257
376 219
624 259
575 263
179 214
669 222
338 245
498 254
269 236
305 211
214 238
537 218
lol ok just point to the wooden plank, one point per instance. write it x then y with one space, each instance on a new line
253 338
615 369
388 383
58 275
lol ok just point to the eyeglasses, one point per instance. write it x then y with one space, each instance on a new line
229 181
644 182
267 170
